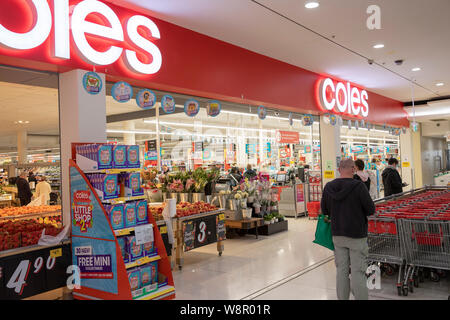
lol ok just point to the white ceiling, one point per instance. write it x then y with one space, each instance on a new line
413 30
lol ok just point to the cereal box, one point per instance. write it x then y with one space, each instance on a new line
119 156
136 251
133 157
146 275
133 186
134 277
149 248
124 249
129 211
104 156
141 212
116 216
154 271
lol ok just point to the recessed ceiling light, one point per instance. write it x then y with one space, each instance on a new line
379 46
22 122
415 69
311 5
440 84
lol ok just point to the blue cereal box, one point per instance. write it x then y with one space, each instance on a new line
146 275
133 157
154 271
116 216
141 212
124 249
136 251
110 186
129 211
104 156
133 186
134 277
119 156
149 248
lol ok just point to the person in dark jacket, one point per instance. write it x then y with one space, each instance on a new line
23 188
392 181
361 174
250 173
235 177
348 204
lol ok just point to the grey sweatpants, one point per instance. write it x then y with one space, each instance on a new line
351 253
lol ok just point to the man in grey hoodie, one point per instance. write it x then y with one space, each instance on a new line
348 204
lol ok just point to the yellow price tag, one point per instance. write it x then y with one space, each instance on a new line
221 216
329 174
405 164
163 230
56 253
141 261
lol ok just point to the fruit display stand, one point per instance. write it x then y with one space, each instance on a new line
198 230
107 271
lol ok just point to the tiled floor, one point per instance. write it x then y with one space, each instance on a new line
283 266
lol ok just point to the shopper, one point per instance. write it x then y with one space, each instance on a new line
235 177
392 181
361 174
250 173
347 203
43 189
23 188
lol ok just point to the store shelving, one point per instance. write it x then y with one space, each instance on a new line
142 261
162 292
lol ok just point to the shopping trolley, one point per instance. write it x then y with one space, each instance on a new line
427 244
385 248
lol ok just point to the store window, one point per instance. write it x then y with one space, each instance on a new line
236 137
30 188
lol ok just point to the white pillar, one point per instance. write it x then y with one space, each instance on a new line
330 149
407 159
129 138
82 119
22 142
158 137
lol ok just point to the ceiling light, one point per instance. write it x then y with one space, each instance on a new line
415 69
22 122
439 84
378 46
311 5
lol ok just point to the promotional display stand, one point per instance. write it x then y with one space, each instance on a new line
107 269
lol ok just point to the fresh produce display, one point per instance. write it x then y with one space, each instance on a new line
23 233
19 211
185 209
156 212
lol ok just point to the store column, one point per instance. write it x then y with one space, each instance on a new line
129 138
407 159
82 119
22 142
417 157
330 150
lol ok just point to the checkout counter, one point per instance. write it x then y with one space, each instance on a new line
291 192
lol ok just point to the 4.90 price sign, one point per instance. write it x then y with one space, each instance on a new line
27 274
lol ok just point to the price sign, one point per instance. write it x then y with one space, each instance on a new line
144 234
220 226
27 274
163 230
329 174
200 232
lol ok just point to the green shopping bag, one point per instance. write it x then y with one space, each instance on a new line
323 233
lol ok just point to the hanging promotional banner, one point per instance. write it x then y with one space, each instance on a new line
150 153
168 104
287 137
213 108
191 108
291 119
357 149
307 120
307 149
122 92
333 119
146 99
356 124
92 83
262 112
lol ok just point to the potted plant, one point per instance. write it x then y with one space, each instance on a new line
267 219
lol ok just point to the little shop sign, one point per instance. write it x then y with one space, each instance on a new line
91 24
342 98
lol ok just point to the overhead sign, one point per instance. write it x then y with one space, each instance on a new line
288 137
342 98
72 20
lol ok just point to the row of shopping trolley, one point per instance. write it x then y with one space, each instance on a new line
412 234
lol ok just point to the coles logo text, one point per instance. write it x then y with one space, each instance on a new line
82 210
71 20
342 98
